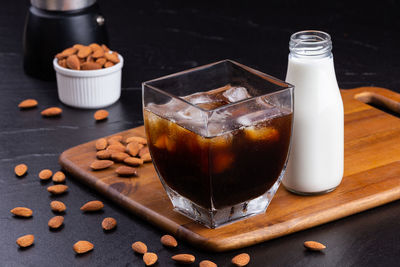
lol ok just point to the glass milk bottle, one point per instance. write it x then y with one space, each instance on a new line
315 163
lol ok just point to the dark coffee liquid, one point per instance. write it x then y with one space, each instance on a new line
219 171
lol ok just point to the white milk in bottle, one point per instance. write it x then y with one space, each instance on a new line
315 163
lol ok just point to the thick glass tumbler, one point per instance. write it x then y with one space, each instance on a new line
219 136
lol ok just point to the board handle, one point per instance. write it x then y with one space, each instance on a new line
378 100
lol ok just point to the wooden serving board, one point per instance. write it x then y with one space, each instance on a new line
371 178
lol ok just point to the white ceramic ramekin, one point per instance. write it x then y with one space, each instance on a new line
89 88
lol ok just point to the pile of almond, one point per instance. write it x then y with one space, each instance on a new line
131 152
91 57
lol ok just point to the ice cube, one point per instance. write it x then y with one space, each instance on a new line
236 94
262 133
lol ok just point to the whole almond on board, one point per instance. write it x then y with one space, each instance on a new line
45 174
25 241
183 258
73 62
98 53
108 223
101 144
313 245
101 61
59 177
138 139
108 64
22 212
101 114
150 258
143 151
101 164
103 154
139 247
55 222
126 171
133 161
116 137
95 47
57 206
57 189
20 169
90 65
28 103
133 148
94 205
119 156
146 157
207 263
84 51
82 246
115 142
51 112
241 259
116 147
169 241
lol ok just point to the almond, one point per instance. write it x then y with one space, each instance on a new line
119 156
95 46
108 64
62 63
103 154
77 46
108 223
73 62
57 189
101 114
101 61
101 144
139 247
69 51
45 174
25 241
20 169
133 148
101 164
84 51
57 206
55 222
115 142
51 112
116 146
207 263
105 48
22 212
126 171
150 258
112 57
183 258
241 259
133 161
83 246
94 205
89 59
313 245
116 137
98 53
28 103
138 139
90 65
169 241
143 151
59 177
146 157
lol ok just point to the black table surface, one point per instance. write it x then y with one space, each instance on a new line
162 37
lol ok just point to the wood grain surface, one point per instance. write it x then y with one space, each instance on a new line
371 178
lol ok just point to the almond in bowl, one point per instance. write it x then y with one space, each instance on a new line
88 76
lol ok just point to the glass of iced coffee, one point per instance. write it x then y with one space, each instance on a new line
219 136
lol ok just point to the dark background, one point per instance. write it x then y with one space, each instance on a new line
162 37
